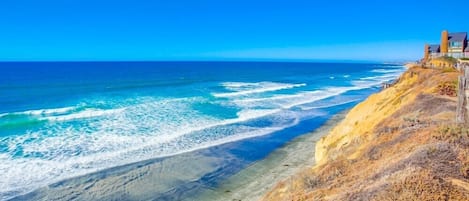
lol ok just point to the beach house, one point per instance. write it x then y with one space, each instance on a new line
466 50
451 44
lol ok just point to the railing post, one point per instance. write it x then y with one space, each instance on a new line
463 81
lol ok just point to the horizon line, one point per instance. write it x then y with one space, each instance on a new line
210 60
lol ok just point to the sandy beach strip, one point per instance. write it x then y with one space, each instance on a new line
256 180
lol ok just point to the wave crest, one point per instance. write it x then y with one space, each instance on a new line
245 88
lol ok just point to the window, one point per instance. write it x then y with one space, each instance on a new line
456 44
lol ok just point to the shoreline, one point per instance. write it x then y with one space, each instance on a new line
254 181
187 175
198 173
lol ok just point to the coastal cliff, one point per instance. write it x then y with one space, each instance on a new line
399 144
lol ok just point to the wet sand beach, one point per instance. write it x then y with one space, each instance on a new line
254 181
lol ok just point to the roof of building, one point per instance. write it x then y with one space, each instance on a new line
456 37
434 48
467 48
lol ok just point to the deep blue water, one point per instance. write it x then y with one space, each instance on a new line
59 120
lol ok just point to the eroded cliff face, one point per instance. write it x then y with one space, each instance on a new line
399 144
358 124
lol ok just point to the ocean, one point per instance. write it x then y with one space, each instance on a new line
60 120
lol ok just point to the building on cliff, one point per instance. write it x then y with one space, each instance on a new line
451 45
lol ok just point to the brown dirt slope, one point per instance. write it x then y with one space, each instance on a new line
399 144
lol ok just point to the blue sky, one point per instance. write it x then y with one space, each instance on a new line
63 30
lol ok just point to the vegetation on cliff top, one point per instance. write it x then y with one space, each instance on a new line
399 144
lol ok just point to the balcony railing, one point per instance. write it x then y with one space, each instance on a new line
456 55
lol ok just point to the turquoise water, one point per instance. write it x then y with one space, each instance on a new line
60 120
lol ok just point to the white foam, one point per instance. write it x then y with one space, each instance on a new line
375 80
243 88
236 85
382 77
272 98
66 113
59 170
245 115
309 97
386 70
250 134
50 111
290 101
42 111
328 105
137 133
88 113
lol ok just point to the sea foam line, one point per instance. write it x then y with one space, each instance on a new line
242 89
290 101
386 70
328 106
42 111
88 113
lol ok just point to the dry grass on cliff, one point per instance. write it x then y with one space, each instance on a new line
415 153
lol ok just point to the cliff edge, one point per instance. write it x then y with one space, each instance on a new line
399 144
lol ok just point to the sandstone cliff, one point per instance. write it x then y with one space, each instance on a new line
399 144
